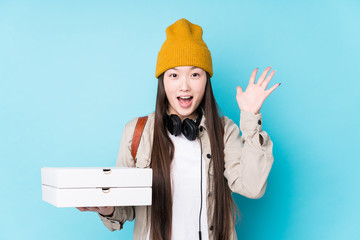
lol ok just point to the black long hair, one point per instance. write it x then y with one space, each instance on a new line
162 154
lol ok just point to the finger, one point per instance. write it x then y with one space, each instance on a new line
253 75
94 209
267 80
82 209
239 90
105 207
263 75
267 92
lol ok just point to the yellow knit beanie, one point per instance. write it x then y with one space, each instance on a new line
183 46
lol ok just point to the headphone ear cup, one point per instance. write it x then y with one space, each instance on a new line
189 129
174 125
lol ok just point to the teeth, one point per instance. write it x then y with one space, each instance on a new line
184 97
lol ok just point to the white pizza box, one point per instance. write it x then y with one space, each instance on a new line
91 186
96 197
84 177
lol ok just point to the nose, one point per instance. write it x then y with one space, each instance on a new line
185 84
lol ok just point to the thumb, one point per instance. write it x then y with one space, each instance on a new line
239 90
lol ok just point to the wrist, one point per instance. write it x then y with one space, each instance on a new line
108 215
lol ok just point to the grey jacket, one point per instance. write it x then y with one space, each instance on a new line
247 166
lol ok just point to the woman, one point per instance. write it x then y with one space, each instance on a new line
198 158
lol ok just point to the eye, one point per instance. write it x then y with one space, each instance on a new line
195 74
173 75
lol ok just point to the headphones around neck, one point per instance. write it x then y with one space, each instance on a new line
189 127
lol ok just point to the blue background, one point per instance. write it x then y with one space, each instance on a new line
72 73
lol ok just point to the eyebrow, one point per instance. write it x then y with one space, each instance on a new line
190 68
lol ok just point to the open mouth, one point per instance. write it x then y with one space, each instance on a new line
185 101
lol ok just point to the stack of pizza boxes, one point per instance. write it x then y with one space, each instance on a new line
95 186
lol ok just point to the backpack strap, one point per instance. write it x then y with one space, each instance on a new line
137 135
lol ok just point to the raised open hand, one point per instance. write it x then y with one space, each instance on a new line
255 94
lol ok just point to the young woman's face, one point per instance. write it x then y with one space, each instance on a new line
184 88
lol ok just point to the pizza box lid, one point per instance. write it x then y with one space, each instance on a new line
88 177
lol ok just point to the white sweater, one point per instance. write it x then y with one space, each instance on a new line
185 174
